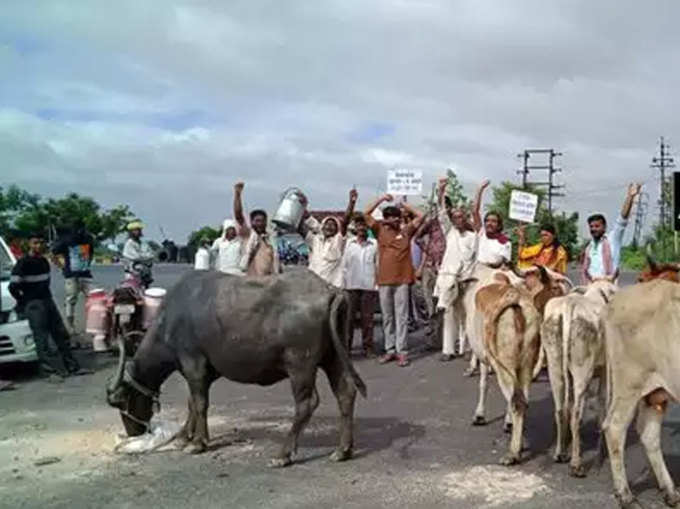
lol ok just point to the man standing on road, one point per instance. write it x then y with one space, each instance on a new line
458 259
202 257
395 274
30 287
326 241
358 267
261 255
228 249
74 253
602 254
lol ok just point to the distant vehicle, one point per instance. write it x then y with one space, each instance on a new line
16 338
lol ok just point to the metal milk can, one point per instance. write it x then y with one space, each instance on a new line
290 210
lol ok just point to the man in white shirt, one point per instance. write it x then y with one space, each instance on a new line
458 259
358 269
228 249
202 257
326 241
493 248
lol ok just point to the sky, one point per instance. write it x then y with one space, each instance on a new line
163 105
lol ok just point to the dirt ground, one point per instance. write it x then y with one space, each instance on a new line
415 448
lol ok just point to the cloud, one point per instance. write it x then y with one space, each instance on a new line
163 105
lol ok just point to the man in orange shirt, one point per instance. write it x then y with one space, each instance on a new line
395 273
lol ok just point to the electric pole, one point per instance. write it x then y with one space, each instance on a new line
550 168
662 163
640 215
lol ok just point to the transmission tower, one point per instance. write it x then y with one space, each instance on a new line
662 163
640 216
527 168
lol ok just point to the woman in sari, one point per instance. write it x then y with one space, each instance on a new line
549 253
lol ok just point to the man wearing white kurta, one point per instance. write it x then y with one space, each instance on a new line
458 259
326 241
229 249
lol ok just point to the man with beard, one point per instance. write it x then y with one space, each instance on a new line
493 246
261 255
601 255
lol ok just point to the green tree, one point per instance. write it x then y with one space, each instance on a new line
565 225
206 231
13 201
454 190
114 222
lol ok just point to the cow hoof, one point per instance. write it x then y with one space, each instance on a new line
341 455
479 420
470 372
280 462
562 457
507 427
509 460
578 471
195 448
672 499
631 504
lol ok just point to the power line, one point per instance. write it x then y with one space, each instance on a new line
662 163
550 168
640 215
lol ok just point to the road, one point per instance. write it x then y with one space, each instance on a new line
415 447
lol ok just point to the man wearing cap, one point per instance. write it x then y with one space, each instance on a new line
202 257
137 255
30 287
228 249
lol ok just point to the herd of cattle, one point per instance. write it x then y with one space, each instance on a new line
290 325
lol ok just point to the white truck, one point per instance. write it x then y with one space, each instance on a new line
16 338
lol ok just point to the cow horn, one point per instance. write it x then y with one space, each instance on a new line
545 277
121 366
522 274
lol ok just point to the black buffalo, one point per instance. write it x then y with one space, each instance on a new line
249 330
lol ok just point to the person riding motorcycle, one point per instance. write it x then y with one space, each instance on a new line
137 256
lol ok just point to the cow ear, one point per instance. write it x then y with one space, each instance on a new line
468 280
653 266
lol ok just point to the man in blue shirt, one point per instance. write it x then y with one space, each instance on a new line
602 254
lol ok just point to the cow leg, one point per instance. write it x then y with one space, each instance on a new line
480 412
619 416
517 420
581 381
345 392
561 413
507 421
649 428
303 383
472 368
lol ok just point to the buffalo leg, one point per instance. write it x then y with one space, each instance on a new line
345 392
306 400
187 432
200 390
619 416
649 428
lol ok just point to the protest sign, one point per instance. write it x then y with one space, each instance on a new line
405 182
523 206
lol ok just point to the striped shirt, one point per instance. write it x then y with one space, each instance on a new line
30 279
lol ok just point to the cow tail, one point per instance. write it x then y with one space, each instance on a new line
602 446
509 300
338 302
567 317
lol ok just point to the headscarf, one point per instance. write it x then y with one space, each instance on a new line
228 223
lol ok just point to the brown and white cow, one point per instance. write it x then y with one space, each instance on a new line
641 328
571 339
503 327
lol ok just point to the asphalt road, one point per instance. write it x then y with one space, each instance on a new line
415 447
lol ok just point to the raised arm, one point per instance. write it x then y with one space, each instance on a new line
353 195
419 217
477 205
238 205
444 220
368 212
633 191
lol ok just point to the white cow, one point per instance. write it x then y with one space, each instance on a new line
571 340
641 327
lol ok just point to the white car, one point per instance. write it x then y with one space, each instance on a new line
16 338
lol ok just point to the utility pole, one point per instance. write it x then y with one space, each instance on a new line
640 215
662 163
550 168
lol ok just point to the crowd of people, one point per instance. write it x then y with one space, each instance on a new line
408 260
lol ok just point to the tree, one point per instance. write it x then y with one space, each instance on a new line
454 190
206 231
565 225
114 222
13 200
